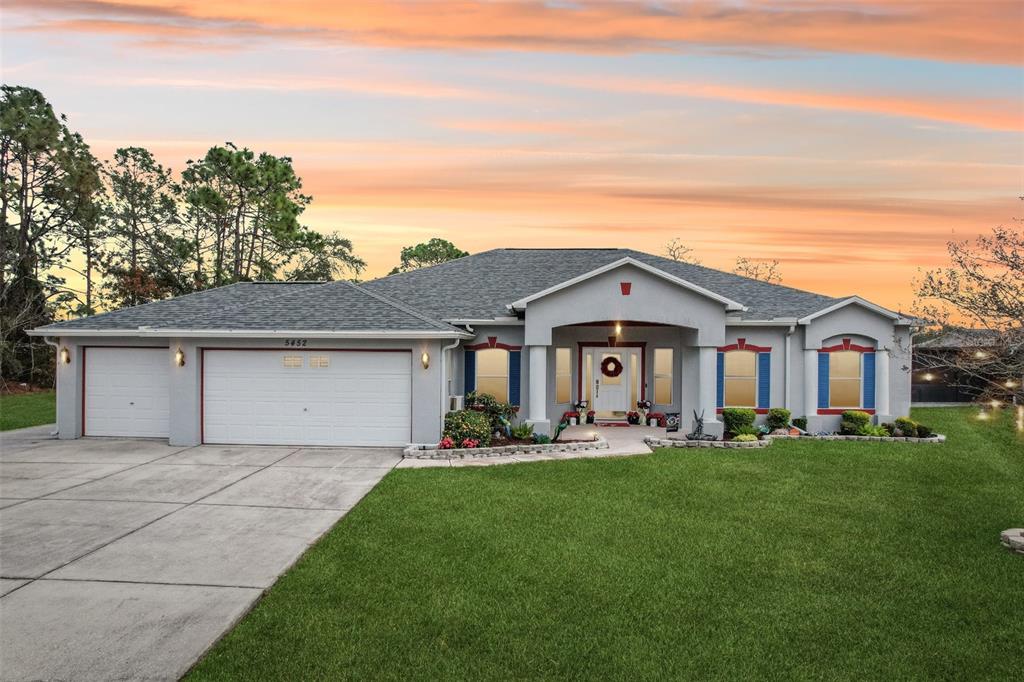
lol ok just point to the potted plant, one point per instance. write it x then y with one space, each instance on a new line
590 416
571 417
633 417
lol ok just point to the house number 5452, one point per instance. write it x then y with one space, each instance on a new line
295 342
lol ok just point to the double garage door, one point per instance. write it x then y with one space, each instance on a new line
267 397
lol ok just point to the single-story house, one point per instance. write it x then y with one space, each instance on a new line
382 362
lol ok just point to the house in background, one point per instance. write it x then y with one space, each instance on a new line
935 377
380 363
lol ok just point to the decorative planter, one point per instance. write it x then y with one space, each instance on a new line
573 421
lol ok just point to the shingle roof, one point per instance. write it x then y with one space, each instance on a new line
479 286
475 287
267 306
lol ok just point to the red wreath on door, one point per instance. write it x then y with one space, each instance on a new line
611 367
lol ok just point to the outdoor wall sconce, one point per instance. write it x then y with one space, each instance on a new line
618 329
179 357
425 359
65 355
928 377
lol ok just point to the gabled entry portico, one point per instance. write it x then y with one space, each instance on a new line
616 317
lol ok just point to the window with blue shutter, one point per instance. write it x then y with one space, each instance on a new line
822 381
764 380
869 381
514 374
720 383
470 367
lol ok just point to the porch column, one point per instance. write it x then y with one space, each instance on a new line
538 413
882 382
707 395
810 384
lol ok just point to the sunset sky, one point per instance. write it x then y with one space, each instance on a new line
849 140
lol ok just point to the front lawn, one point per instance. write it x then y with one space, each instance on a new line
805 560
19 410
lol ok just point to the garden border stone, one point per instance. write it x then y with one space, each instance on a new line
1013 539
434 452
767 440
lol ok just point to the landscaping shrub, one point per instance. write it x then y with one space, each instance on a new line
906 427
494 409
871 430
735 418
853 422
523 431
890 428
468 424
924 431
747 431
745 438
778 418
541 439
800 423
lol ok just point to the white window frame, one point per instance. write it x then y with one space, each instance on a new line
670 376
506 377
725 379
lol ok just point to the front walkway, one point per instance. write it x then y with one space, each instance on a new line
622 441
127 559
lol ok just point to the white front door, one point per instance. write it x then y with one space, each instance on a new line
613 394
127 392
307 397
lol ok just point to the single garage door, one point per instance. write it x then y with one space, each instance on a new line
307 397
126 392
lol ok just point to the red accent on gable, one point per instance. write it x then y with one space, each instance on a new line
642 345
846 345
840 410
741 344
492 342
625 287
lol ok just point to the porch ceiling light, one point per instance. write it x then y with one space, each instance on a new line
65 355
425 360
179 357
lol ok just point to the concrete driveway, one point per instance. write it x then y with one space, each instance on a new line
127 559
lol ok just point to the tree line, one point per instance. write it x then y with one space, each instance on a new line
80 234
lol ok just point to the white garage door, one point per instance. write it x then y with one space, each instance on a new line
126 392
307 397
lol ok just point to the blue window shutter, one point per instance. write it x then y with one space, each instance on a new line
868 401
514 374
822 381
721 379
764 380
470 367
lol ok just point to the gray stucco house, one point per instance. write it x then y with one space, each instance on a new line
380 363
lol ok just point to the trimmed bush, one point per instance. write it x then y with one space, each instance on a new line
778 418
924 431
494 409
745 438
470 424
890 428
735 418
800 423
906 426
853 422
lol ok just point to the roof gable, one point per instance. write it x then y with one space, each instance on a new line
851 300
623 262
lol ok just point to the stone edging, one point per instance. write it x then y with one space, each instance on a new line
672 443
1013 539
938 438
433 452
767 440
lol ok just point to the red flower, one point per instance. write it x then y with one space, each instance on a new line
470 443
446 443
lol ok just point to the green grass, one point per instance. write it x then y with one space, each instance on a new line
27 409
823 560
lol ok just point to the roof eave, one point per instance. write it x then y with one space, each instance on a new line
260 333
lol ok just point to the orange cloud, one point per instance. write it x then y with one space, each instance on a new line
985 31
993 114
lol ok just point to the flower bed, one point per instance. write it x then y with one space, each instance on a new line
525 448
